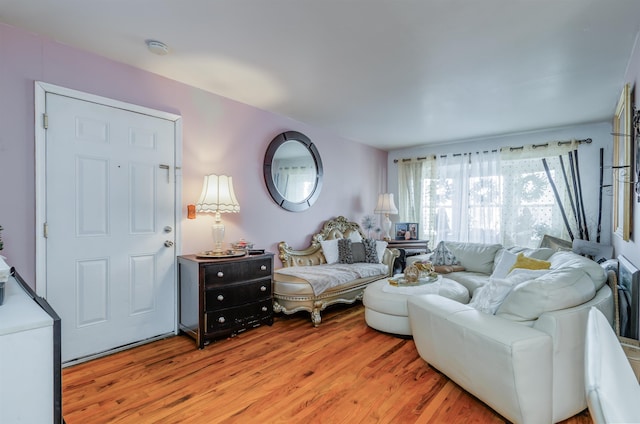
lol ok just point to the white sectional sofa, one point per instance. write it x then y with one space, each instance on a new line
526 361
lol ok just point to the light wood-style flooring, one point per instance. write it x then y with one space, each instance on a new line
340 372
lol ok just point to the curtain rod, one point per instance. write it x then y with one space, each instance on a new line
535 146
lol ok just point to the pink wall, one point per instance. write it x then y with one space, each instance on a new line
219 136
631 249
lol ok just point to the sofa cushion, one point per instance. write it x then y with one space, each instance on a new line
442 256
358 252
471 280
564 259
475 257
489 297
504 264
380 248
542 253
330 250
530 263
345 255
557 289
366 251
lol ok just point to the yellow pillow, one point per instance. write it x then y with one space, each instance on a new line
529 263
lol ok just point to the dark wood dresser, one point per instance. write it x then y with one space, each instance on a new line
224 297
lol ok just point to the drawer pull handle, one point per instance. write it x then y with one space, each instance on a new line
263 289
220 274
220 297
221 320
263 268
264 309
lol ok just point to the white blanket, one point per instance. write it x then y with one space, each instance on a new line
5 270
324 277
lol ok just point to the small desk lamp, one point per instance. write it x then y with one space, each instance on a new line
386 206
217 197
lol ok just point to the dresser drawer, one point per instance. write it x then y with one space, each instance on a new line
225 273
223 297
229 295
239 318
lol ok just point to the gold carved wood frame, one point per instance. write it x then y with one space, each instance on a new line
622 166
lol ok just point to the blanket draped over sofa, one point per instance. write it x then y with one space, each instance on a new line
327 276
308 283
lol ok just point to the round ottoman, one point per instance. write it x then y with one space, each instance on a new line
385 306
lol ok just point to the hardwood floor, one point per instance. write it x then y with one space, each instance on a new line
340 372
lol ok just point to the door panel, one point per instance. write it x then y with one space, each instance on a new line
110 192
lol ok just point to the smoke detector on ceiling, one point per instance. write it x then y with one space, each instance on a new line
157 47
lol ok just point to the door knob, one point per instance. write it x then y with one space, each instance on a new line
168 243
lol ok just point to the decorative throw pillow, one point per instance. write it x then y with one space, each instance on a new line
504 265
357 250
529 263
443 256
380 247
355 237
330 250
344 251
370 251
489 297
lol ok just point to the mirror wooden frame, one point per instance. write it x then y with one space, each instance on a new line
284 203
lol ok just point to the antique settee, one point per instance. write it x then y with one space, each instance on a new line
294 285
523 355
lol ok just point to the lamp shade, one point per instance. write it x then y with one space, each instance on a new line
386 204
217 195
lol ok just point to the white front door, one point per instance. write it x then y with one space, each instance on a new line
110 219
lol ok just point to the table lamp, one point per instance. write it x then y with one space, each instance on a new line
217 197
386 206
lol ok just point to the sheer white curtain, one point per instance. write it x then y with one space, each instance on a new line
468 198
414 193
529 209
489 197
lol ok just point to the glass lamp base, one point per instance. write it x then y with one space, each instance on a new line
217 231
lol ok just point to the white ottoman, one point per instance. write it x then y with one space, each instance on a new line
385 306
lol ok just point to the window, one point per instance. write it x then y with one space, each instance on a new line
490 197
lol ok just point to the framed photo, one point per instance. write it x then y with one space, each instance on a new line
623 173
406 231
628 296
555 243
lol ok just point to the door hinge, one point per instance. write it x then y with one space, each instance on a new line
45 230
45 121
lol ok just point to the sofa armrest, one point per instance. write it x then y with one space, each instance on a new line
567 328
312 255
389 258
505 364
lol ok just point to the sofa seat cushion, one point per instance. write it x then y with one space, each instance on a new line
475 257
565 259
320 278
471 280
557 289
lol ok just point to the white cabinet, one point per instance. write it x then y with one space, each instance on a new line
27 366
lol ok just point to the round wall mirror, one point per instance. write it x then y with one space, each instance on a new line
293 171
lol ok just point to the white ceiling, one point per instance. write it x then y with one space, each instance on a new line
389 73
